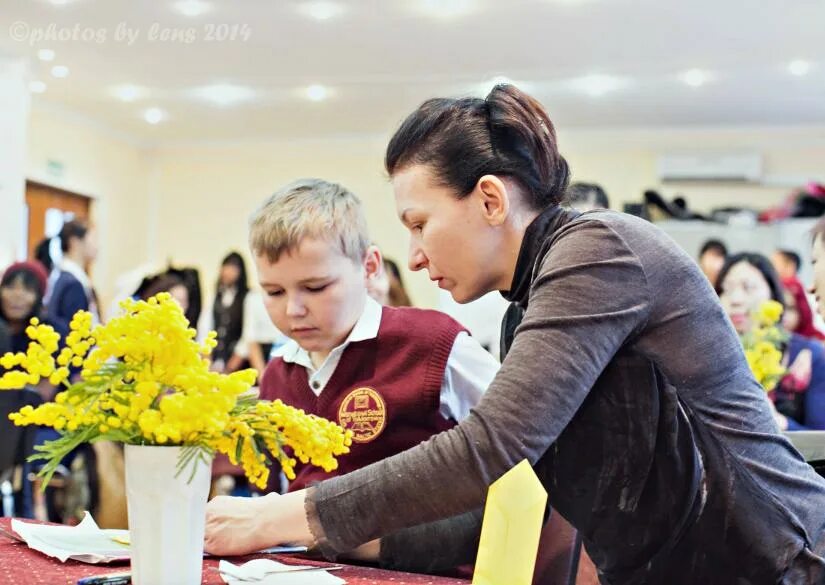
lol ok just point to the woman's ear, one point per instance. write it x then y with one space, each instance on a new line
494 199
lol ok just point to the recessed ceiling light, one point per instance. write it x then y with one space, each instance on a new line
60 71
154 115
60 2
224 94
597 85
37 87
45 55
695 77
192 7
799 67
317 93
321 9
128 93
446 9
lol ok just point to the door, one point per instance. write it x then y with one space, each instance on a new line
49 208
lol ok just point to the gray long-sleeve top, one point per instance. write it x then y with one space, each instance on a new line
627 389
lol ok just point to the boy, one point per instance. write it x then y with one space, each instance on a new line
393 376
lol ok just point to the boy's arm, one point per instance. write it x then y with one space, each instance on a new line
470 369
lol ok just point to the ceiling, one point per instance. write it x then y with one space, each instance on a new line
593 63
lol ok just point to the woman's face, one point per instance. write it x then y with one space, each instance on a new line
90 246
229 274
744 289
180 294
449 237
790 317
17 300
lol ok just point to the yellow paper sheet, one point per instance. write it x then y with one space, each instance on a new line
511 528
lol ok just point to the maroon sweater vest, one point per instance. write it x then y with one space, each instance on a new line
386 390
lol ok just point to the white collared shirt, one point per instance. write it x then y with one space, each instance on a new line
469 371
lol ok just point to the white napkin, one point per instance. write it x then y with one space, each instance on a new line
258 568
85 542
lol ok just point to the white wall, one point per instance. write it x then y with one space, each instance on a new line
14 112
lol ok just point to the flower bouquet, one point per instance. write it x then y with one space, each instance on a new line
763 345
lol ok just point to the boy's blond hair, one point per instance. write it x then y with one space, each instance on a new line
309 208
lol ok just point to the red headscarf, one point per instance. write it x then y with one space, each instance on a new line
805 327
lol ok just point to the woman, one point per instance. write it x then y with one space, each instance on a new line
22 287
227 312
170 283
21 298
625 385
798 316
72 290
747 281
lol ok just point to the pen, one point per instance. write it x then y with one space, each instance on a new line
111 579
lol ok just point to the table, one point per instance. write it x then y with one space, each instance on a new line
19 565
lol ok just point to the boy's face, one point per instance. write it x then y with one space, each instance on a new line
314 294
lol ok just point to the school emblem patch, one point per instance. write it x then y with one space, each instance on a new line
364 412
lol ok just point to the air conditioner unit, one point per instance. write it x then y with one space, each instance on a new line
726 167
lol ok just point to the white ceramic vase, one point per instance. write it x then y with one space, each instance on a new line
166 516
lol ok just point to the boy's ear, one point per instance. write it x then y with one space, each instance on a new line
373 262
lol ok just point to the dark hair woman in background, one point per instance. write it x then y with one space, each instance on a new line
22 287
227 310
746 281
624 384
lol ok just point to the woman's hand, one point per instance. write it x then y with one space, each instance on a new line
237 526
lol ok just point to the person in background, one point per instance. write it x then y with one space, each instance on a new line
798 317
587 196
73 289
21 298
226 316
398 296
818 259
170 283
387 287
786 263
712 257
746 282
22 287
259 339
43 254
5 341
